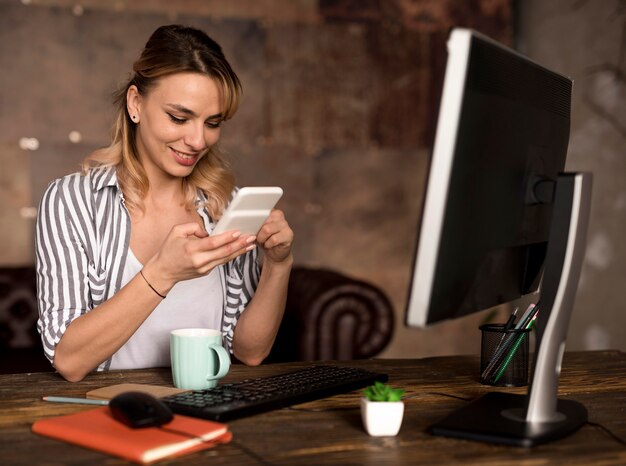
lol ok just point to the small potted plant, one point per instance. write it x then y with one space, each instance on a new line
382 410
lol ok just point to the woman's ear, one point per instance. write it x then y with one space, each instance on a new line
133 103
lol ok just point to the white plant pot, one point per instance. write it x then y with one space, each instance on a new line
382 418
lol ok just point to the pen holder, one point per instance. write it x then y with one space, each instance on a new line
504 355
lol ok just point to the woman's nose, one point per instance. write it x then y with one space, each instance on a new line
194 138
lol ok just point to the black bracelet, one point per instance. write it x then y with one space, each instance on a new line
146 280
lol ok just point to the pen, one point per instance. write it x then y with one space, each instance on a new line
65 399
528 315
505 341
513 350
511 320
500 351
507 326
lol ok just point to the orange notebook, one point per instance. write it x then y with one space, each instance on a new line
97 429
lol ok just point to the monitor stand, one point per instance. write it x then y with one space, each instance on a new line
539 416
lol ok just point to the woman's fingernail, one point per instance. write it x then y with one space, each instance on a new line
251 247
236 234
250 239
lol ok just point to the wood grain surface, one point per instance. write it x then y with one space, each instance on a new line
329 431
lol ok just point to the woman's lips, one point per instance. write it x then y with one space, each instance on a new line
184 158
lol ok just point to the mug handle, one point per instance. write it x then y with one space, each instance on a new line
224 362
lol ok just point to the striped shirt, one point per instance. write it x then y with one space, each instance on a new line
82 243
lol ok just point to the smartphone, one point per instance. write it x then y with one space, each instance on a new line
249 209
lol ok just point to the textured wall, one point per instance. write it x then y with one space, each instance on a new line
586 40
338 108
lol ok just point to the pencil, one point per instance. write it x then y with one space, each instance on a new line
517 344
65 399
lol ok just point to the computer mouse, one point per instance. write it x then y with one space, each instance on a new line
138 409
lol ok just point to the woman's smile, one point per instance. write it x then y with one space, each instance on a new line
185 158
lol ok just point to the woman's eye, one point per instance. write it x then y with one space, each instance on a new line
178 121
214 124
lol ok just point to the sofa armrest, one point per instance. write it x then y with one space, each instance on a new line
20 345
330 316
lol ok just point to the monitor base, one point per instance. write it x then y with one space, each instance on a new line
498 418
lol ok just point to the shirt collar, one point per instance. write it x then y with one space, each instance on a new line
104 177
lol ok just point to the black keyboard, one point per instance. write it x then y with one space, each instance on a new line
254 396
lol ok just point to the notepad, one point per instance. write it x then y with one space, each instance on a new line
158 391
98 430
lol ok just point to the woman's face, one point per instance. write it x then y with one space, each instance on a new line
177 120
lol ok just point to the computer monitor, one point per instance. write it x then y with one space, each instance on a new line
501 220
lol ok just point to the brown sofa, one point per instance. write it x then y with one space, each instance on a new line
328 316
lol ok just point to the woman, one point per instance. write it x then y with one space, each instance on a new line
133 228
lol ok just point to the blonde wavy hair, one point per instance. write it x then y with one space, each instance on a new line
172 49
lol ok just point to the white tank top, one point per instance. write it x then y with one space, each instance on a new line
195 303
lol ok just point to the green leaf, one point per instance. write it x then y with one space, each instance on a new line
383 392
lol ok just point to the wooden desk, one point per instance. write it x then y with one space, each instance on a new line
329 431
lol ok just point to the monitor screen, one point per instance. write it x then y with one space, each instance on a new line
503 126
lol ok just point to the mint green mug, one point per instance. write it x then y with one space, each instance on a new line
198 358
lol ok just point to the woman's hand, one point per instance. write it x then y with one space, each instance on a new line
189 252
276 238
